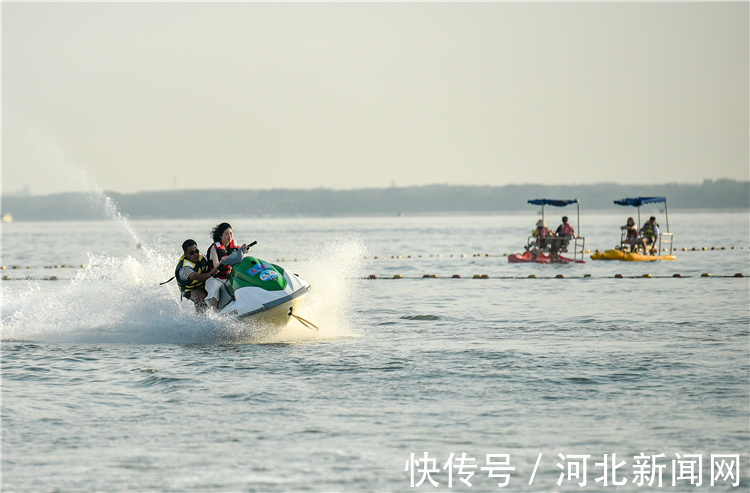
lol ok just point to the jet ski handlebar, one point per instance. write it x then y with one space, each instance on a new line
236 257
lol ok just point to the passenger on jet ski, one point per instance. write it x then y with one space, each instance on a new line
222 247
191 272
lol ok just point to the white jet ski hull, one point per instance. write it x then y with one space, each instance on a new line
265 306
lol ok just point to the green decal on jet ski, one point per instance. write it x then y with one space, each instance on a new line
255 272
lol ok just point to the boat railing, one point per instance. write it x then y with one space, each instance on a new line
579 246
625 244
539 246
534 245
666 239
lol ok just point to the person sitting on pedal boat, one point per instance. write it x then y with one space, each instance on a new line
543 237
631 237
650 235
566 232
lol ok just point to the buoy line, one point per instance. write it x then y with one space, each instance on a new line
32 278
459 276
29 267
84 266
558 276
381 257
495 255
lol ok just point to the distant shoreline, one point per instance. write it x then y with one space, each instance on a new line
433 200
383 215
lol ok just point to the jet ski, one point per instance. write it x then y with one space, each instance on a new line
264 291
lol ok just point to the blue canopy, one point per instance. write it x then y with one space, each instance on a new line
639 201
556 203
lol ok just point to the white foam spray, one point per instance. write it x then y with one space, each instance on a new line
119 300
48 159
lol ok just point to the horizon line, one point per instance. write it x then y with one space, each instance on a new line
25 192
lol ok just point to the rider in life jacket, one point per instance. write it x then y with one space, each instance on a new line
222 247
543 236
650 235
565 230
191 273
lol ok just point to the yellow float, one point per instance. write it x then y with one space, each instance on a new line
629 256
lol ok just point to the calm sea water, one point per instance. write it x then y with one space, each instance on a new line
109 383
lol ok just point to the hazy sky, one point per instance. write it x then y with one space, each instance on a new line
156 96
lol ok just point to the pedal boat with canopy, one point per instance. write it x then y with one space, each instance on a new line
624 252
540 252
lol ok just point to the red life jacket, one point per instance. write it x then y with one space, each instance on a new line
566 229
222 252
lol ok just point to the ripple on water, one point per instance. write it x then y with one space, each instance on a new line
154 380
420 317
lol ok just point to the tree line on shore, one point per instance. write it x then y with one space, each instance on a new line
174 204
